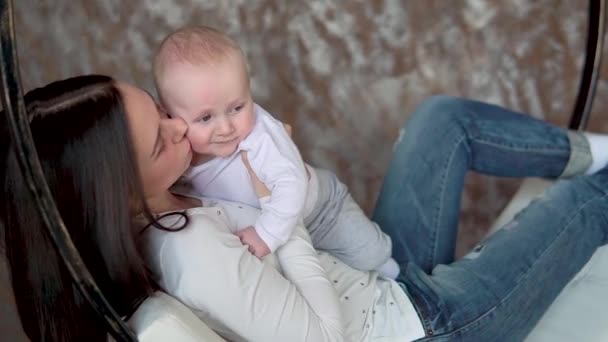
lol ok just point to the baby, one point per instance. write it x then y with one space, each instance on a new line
202 77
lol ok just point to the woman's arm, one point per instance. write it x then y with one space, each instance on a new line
300 264
241 297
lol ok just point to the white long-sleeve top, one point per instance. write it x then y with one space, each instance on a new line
295 294
276 161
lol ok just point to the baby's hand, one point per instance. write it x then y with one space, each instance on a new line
250 237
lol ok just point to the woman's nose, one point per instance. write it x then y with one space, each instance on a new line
179 127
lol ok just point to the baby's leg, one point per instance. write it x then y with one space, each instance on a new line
339 226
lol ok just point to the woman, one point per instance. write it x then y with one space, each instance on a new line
80 131
119 155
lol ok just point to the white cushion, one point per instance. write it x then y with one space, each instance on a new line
580 311
161 318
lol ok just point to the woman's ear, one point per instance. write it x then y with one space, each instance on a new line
136 206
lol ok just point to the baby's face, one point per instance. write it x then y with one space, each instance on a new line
214 100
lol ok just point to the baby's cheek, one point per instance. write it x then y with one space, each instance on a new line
199 143
248 123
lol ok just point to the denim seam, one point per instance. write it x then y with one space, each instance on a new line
439 209
475 322
548 149
522 149
428 326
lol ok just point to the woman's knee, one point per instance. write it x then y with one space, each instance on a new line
437 119
439 110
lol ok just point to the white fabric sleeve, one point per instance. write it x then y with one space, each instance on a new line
276 161
243 298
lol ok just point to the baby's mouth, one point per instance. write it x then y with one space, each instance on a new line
227 141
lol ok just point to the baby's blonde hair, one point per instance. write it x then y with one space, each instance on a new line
197 45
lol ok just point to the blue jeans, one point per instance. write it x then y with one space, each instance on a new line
501 289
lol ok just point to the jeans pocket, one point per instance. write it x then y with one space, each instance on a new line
431 308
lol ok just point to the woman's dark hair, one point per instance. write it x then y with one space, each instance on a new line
83 141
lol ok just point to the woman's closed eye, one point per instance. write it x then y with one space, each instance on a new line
161 148
162 112
160 145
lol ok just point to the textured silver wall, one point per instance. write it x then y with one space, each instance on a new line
345 73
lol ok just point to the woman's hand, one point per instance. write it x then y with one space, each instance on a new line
287 129
260 189
248 236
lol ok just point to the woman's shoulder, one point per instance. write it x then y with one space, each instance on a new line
206 232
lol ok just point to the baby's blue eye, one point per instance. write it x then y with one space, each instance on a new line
205 118
238 108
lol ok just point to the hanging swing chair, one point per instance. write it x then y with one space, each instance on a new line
162 318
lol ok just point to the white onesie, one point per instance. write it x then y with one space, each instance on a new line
275 159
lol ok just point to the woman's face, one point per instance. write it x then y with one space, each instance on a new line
162 150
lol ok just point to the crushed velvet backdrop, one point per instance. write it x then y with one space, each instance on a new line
346 74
